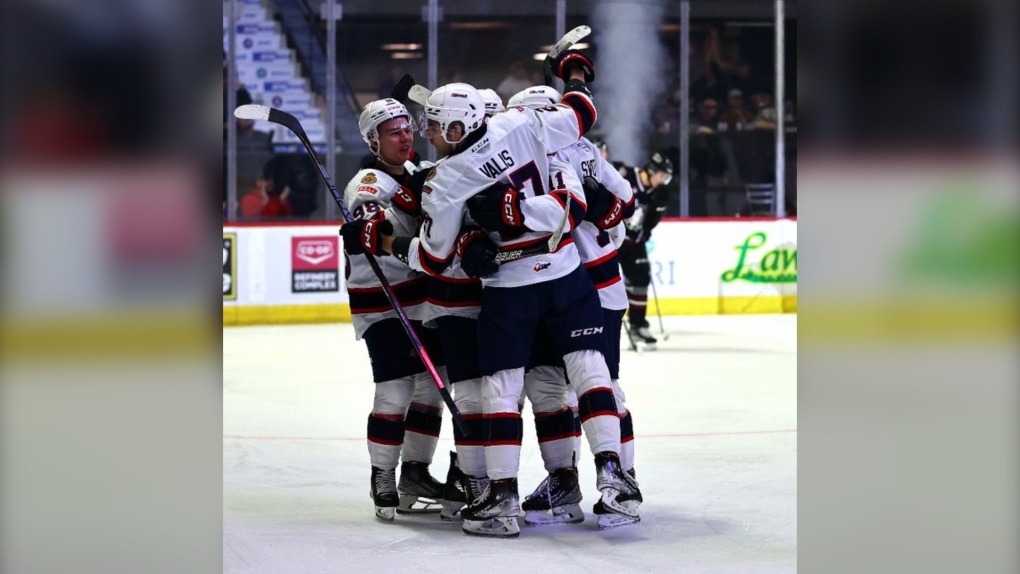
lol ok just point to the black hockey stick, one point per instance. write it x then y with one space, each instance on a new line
259 112
402 88
665 335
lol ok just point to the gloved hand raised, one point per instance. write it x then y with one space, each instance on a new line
570 59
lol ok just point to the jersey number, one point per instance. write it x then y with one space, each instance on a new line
522 176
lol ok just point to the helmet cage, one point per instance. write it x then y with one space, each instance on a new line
453 103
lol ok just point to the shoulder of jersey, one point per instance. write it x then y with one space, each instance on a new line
372 180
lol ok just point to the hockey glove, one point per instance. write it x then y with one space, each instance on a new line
497 209
477 254
407 201
605 210
364 236
570 59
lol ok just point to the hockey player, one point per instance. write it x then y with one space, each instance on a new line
496 165
597 237
649 185
407 410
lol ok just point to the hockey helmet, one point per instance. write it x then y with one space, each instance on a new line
659 162
456 102
378 112
493 103
535 97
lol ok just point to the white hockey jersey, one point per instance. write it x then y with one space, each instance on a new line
368 193
597 247
513 150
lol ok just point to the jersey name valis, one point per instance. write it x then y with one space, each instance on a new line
497 165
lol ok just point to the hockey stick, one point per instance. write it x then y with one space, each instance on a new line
568 40
665 335
633 345
259 112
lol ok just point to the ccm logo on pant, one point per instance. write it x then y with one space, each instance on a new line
588 331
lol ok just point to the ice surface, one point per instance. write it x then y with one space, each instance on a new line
715 419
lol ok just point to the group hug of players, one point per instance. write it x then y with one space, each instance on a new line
500 326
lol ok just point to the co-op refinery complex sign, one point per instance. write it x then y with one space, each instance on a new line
777 265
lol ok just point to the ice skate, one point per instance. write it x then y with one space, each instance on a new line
620 493
494 514
419 492
384 492
641 337
455 495
555 501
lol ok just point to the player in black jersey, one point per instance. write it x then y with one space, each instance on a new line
651 194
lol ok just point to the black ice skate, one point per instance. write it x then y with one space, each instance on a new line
419 492
555 501
384 492
494 514
620 493
642 335
455 495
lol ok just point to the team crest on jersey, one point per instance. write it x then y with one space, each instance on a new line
369 178
541 266
431 175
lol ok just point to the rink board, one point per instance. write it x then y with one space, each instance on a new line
278 274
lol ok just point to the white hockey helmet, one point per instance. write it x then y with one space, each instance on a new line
378 112
535 97
493 103
456 102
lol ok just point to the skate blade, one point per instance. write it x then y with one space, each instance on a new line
609 499
569 514
410 504
501 527
607 521
451 511
386 513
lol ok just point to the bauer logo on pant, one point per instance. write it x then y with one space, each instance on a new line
314 264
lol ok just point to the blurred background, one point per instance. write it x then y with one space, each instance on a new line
693 80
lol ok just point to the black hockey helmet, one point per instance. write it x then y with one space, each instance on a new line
659 162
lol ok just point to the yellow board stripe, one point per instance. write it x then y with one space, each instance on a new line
340 313
285 314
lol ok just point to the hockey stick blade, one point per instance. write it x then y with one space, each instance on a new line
568 40
252 112
290 122
419 93
403 87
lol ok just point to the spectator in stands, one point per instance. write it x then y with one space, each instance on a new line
707 118
736 117
765 118
270 197
243 98
707 159
517 80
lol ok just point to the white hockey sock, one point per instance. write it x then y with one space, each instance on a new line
386 422
424 419
467 395
554 421
588 373
626 428
501 394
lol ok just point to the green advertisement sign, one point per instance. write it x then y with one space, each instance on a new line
777 265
